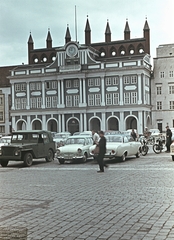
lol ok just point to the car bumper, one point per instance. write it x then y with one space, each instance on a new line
69 157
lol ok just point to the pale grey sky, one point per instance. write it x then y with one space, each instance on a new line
19 17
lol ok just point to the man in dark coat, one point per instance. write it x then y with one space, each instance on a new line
168 138
102 150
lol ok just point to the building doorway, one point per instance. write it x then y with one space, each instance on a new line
113 124
73 125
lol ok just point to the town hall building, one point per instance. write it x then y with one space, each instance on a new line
78 87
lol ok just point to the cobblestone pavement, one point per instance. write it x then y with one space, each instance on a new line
130 200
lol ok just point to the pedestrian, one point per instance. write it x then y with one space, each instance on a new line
95 136
102 150
133 135
168 138
146 133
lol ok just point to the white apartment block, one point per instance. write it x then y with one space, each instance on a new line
162 88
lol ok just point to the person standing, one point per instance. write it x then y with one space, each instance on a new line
168 138
133 135
102 150
95 137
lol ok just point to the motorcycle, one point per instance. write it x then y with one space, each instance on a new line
159 146
144 146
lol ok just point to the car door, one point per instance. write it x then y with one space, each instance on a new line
41 146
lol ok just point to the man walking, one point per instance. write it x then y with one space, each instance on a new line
102 150
168 138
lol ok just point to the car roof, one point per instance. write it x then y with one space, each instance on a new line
80 136
31 131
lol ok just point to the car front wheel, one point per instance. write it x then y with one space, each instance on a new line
173 157
28 159
50 156
61 161
4 163
84 158
138 154
123 157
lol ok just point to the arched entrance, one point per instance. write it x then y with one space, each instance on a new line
21 125
131 123
52 125
73 125
36 125
95 124
113 123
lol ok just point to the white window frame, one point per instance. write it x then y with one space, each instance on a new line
133 79
115 80
109 99
39 102
91 100
76 83
33 102
115 98
54 101
23 103
54 84
158 105
162 74
17 87
126 79
48 102
171 89
38 86
97 81
127 98
32 86
90 82
134 97
69 101
171 103
158 90
1 100
97 99
68 83
76 100
108 81
1 116
171 74
23 86
17 103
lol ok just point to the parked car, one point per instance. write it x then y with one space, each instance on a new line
88 133
60 138
154 132
75 148
26 145
6 140
119 146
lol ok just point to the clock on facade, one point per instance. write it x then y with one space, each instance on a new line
71 50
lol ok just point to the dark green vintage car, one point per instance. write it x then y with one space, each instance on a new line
26 145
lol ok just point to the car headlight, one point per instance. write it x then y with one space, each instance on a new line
17 152
113 151
58 151
79 150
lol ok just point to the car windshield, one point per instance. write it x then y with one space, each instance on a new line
110 138
61 135
75 141
5 140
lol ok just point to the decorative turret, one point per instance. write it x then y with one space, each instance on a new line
107 33
147 36
30 46
67 35
87 33
49 40
127 31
